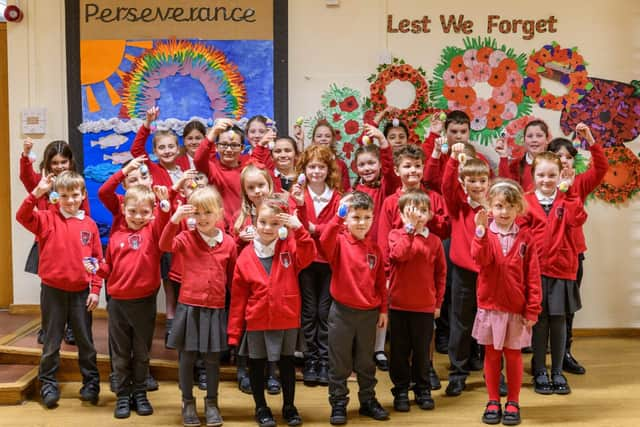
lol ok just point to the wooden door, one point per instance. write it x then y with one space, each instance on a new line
6 277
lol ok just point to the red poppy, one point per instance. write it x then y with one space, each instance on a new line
347 149
507 65
498 77
466 96
533 89
457 64
495 108
333 103
351 127
406 68
517 95
532 68
338 135
450 93
494 121
483 54
349 104
337 117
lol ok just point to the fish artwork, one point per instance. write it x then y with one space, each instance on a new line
112 141
118 158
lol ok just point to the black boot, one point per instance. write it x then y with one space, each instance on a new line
339 412
189 413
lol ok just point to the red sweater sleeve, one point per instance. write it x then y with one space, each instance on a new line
576 215
506 169
392 181
481 250
96 252
239 297
107 193
34 221
440 223
28 176
432 175
586 182
329 237
305 248
168 242
263 155
138 146
205 150
440 275
533 286
452 191
401 246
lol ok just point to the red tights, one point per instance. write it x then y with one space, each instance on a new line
492 368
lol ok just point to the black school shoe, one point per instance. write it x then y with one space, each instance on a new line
323 373
372 408
310 373
338 413
541 383
401 401
150 383
273 385
90 392
381 359
123 407
455 387
291 415
141 403
560 384
434 379
571 365
492 416
50 395
264 417
244 384
424 400
511 418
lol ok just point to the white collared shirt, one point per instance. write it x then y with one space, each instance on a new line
546 200
262 250
322 200
424 233
528 158
212 241
175 174
473 203
67 215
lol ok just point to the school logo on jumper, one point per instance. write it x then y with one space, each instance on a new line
134 241
85 237
371 259
523 249
285 259
560 212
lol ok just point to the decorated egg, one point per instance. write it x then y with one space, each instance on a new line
32 156
54 197
283 232
300 120
395 122
442 116
301 179
444 148
144 169
366 139
343 210
563 186
191 223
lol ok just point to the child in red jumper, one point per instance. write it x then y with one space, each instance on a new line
583 185
324 134
465 193
131 267
209 257
509 295
67 291
359 292
416 289
266 299
553 217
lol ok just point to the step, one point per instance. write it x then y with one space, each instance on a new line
17 383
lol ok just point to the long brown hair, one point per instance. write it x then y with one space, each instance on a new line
53 149
326 156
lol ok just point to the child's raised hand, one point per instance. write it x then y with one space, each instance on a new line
345 204
584 131
90 264
567 175
182 212
410 216
219 126
297 193
134 164
290 221
268 137
437 125
457 152
27 145
152 115
501 148
92 302
44 186
482 218
161 192
189 176
374 133
247 234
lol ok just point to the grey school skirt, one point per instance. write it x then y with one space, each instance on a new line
560 296
199 329
31 266
271 344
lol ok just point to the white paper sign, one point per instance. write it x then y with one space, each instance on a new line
34 121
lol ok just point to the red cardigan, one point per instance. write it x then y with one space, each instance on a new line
387 185
159 175
307 214
63 243
132 264
357 267
553 234
418 272
517 169
509 283
206 272
269 302
463 225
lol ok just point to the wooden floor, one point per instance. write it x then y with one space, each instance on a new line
608 395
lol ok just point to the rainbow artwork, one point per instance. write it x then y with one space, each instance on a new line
223 83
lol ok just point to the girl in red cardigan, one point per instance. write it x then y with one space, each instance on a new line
209 257
582 185
553 217
318 198
324 134
265 298
508 295
280 160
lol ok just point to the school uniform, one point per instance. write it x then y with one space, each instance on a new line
416 289
518 169
131 266
65 284
358 289
262 156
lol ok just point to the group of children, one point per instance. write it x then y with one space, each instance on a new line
273 252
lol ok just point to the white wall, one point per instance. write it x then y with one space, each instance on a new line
342 45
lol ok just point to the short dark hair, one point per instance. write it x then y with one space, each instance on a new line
414 198
457 117
411 151
557 143
360 200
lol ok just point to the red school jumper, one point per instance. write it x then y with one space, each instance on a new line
307 214
518 170
72 238
418 272
262 302
206 271
159 175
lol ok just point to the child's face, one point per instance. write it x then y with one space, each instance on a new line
256 131
137 214
136 178
267 225
566 158
191 185
410 172
546 177
476 186
397 137
206 221
59 164
322 136
256 188
192 141
166 149
316 171
368 167
230 147
457 132
535 140
422 212
503 212
358 222
71 199
283 154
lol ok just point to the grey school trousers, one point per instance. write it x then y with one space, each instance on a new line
352 336
131 327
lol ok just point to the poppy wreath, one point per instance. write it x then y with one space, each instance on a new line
481 61
419 109
622 180
575 80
